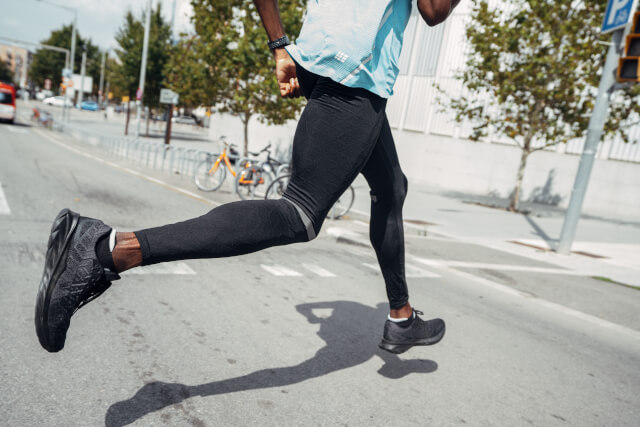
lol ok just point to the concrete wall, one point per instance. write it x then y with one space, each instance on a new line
443 163
479 168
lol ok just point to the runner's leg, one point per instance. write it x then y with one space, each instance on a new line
388 191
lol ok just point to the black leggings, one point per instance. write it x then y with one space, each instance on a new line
342 131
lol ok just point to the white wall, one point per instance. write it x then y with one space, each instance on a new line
451 164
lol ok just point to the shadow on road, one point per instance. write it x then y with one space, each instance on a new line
348 332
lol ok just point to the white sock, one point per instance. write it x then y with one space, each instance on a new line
112 239
402 319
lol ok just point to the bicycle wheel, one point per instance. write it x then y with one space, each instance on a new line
206 178
252 182
343 204
277 187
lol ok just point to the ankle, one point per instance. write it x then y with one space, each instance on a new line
404 312
127 253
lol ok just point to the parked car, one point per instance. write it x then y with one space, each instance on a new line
7 102
58 101
40 96
89 105
185 120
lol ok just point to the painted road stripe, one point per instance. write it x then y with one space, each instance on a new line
488 266
318 270
631 333
131 171
4 205
16 130
179 268
410 271
279 270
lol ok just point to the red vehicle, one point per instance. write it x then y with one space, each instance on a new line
7 102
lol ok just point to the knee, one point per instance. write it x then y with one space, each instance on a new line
392 194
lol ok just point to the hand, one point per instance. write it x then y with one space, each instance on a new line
286 75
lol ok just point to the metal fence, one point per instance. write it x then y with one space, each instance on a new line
152 154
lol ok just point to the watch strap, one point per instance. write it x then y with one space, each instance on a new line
282 41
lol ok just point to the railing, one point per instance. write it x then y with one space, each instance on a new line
152 154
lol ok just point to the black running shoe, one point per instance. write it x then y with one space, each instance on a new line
72 276
397 339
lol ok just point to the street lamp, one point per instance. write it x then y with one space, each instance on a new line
73 45
73 31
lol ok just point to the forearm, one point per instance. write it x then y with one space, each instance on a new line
436 11
270 16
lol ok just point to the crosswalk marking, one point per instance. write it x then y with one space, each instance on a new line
4 205
179 268
318 270
279 270
410 270
438 263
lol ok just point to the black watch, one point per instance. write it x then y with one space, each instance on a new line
282 41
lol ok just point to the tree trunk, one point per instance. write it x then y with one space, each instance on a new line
515 197
245 122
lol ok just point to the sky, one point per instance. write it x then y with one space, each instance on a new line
99 20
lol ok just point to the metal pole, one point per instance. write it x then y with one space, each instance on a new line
73 39
82 70
594 134
143 65
100 94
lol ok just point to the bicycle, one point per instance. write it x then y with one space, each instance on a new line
256 176
339 209
211 172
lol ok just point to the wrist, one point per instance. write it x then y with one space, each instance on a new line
280 53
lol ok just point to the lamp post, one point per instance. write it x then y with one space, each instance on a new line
73 30
71 61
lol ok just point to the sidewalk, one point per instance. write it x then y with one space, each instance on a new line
605 248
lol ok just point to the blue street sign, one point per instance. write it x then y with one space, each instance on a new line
618 14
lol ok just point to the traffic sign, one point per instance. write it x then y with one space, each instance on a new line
618 14
167 96
138 94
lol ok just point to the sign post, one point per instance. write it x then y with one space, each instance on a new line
167 96
616 18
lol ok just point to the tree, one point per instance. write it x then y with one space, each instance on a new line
5 73
48 64
228 63
130 38
532 74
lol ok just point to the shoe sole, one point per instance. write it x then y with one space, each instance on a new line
65 224
396 348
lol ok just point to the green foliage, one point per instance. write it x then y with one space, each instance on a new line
228 64
5 73
48 64
130 37
533 72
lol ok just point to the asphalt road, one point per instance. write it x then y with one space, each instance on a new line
287 336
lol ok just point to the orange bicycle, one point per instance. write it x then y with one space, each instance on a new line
212 171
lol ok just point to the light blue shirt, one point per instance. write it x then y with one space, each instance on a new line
356 43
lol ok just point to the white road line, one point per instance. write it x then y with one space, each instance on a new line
410 271
362 223
278 270
318 270
131 171
179 268
4 205
488 266
541 302
16 130
413 271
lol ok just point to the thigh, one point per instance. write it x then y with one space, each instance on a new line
382 170
335 136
